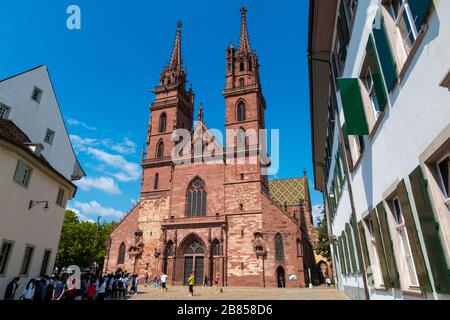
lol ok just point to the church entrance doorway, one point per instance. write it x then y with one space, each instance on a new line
194 260
281 278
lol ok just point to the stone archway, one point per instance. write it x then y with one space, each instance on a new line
193 254
281 277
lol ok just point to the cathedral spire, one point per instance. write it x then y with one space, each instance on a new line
176 59
200 113
244 43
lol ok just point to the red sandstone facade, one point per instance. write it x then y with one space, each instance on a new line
213 218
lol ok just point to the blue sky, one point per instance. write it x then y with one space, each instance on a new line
104 72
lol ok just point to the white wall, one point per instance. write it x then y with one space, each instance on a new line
34 118
23 226
420 111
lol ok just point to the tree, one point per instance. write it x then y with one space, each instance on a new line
323 247
82 243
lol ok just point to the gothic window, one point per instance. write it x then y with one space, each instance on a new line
299 248
240 139
196 199
156 184
162 123
160 149
279 248
241 83
198 146
194 248
121 259
241 66
241 111
216 248
250 65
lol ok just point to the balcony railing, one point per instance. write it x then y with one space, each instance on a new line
218 219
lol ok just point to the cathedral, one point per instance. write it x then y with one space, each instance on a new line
223 217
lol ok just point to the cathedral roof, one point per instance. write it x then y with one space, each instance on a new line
289 191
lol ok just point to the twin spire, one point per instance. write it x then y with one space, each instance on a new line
176 61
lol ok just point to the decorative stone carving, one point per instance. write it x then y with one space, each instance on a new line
138 247
242 195
258 244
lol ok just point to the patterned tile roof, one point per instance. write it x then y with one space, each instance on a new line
289 191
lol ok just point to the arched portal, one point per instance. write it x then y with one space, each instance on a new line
193 250
281 277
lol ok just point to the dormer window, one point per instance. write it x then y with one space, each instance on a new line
49 136
37 94
4 111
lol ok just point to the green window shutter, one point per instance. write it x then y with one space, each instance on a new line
375 67
346 253
365 250
353 105
388 246
420 10
380 251
385 58
413 238
430 231
341 256
351 246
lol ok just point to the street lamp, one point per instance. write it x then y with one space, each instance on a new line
35 203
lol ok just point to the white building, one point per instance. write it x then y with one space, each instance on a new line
380 112
37 167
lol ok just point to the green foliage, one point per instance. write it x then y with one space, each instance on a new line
323 247
82 243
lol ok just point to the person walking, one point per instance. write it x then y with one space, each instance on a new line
91 290
101 289
11 289
145 279
136 283
191 282
205 280
217 283
163 282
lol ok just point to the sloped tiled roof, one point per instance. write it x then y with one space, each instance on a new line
289 191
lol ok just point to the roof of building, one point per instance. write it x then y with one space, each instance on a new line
289 191
10 133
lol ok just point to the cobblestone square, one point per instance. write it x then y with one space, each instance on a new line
233 293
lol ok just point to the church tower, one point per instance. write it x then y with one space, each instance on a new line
173 109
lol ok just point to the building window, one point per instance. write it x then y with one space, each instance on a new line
250 66
121 258
160 149
444 177
61 199
299 248
196 199
45 261
376 269
4 111
169 249
241 66
26 260
37 94
408 262
279 247
5 253
241 116
367 79
240 139
162 123
216 248
406 22
49 136
156 182
23 173
241 83
229 67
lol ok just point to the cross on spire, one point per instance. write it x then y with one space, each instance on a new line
244 43
176 59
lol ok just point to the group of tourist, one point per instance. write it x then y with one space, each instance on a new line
91 287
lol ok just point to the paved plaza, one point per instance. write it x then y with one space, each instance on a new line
232 293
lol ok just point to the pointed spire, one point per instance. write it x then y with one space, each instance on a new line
200 113
176 60
244 43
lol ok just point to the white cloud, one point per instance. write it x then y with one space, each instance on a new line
80 216
317 212
74 122
105 184
125 147
81 144
95 208
127 171
133 201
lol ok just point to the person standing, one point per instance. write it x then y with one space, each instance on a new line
59 289
217 283
91 290
28 292
136 283
191 282
163 282
145 279
11 289
101 289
